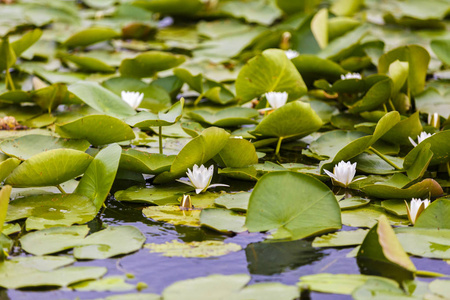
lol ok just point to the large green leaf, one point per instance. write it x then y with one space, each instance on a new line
157 195
147 119
7 166
48 98
409 127
382 254
7 55
45 211
49 168
237 153
425 242
149 63
295 119
26 41
172 7
198 151
270 71
97 129
90 36
313 68
441 49
378 94
25 147
5 192
101 99
303 207
112 241
144 162
227 117
99 176
89 64
439 145
421 189
222 220
435 216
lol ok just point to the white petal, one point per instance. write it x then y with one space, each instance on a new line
217 184
412 141
185 182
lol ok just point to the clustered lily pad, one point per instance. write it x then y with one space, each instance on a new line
282 127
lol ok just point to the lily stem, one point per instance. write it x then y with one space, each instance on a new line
61 189
384 158
160 140
277 150
392 105
9 80
448 169
197 101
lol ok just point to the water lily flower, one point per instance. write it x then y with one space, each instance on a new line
434 120
343 173
276 99
351 76
416 207
420 138
200 178
186 203
237 137
133 99
291 53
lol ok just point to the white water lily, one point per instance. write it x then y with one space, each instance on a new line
343 173
186 203
291 53
200 178
276 99
133 99
420 138
351 76
434 120
416 207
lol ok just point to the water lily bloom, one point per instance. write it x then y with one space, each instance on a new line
276 99
186 203
416 207
133 99
291 53
420 138
343 173
434 120
351 76
200 178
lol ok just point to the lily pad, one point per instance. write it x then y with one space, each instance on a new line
292 210
157 195
425 242
91 36
341 238
353 202
194 249
17 273
228 117
173 215
149 63
7 166
97 129
268 72
49 168
368 215
112 241
439 145
110 284
435 216
45 211
222 220
421 189
237 202
147 119
143 162
25 147
237 153
396 207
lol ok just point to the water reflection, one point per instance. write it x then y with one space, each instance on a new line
267 258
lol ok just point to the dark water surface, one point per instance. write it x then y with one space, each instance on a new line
265 262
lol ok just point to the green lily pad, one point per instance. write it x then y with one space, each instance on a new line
425 242
295 119
112 241
157 195
440 146
27 146
173 215
237 202
198 151
268 72
222 220
337 283
193 249
331 142
382 254
313 68
7 166
292 210
45 211
90 36
228 117
48 98
378 94
26 41
435 216
101 99
149 63
8 57
16 274
368 215
89 64
440 48
396 207
421 189
144 162
49 168
5 193
97 129
237 153
110 284
417 58
9 228
353 202
99 176
380 289
341 238
373 164
147 119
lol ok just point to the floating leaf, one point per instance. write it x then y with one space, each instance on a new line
97 129
157 195
238 201
237 153
425 242
435 216
112 241
149 63
173 215
48 98
5 192
396 207
222 220
144 162
147 119
7 166
421 189
341 238
110 284
49 168
194 249
440 48
440 146
228 117
45 211
27 146
90 36
268 72
382 254
368 215
293 210
26 41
